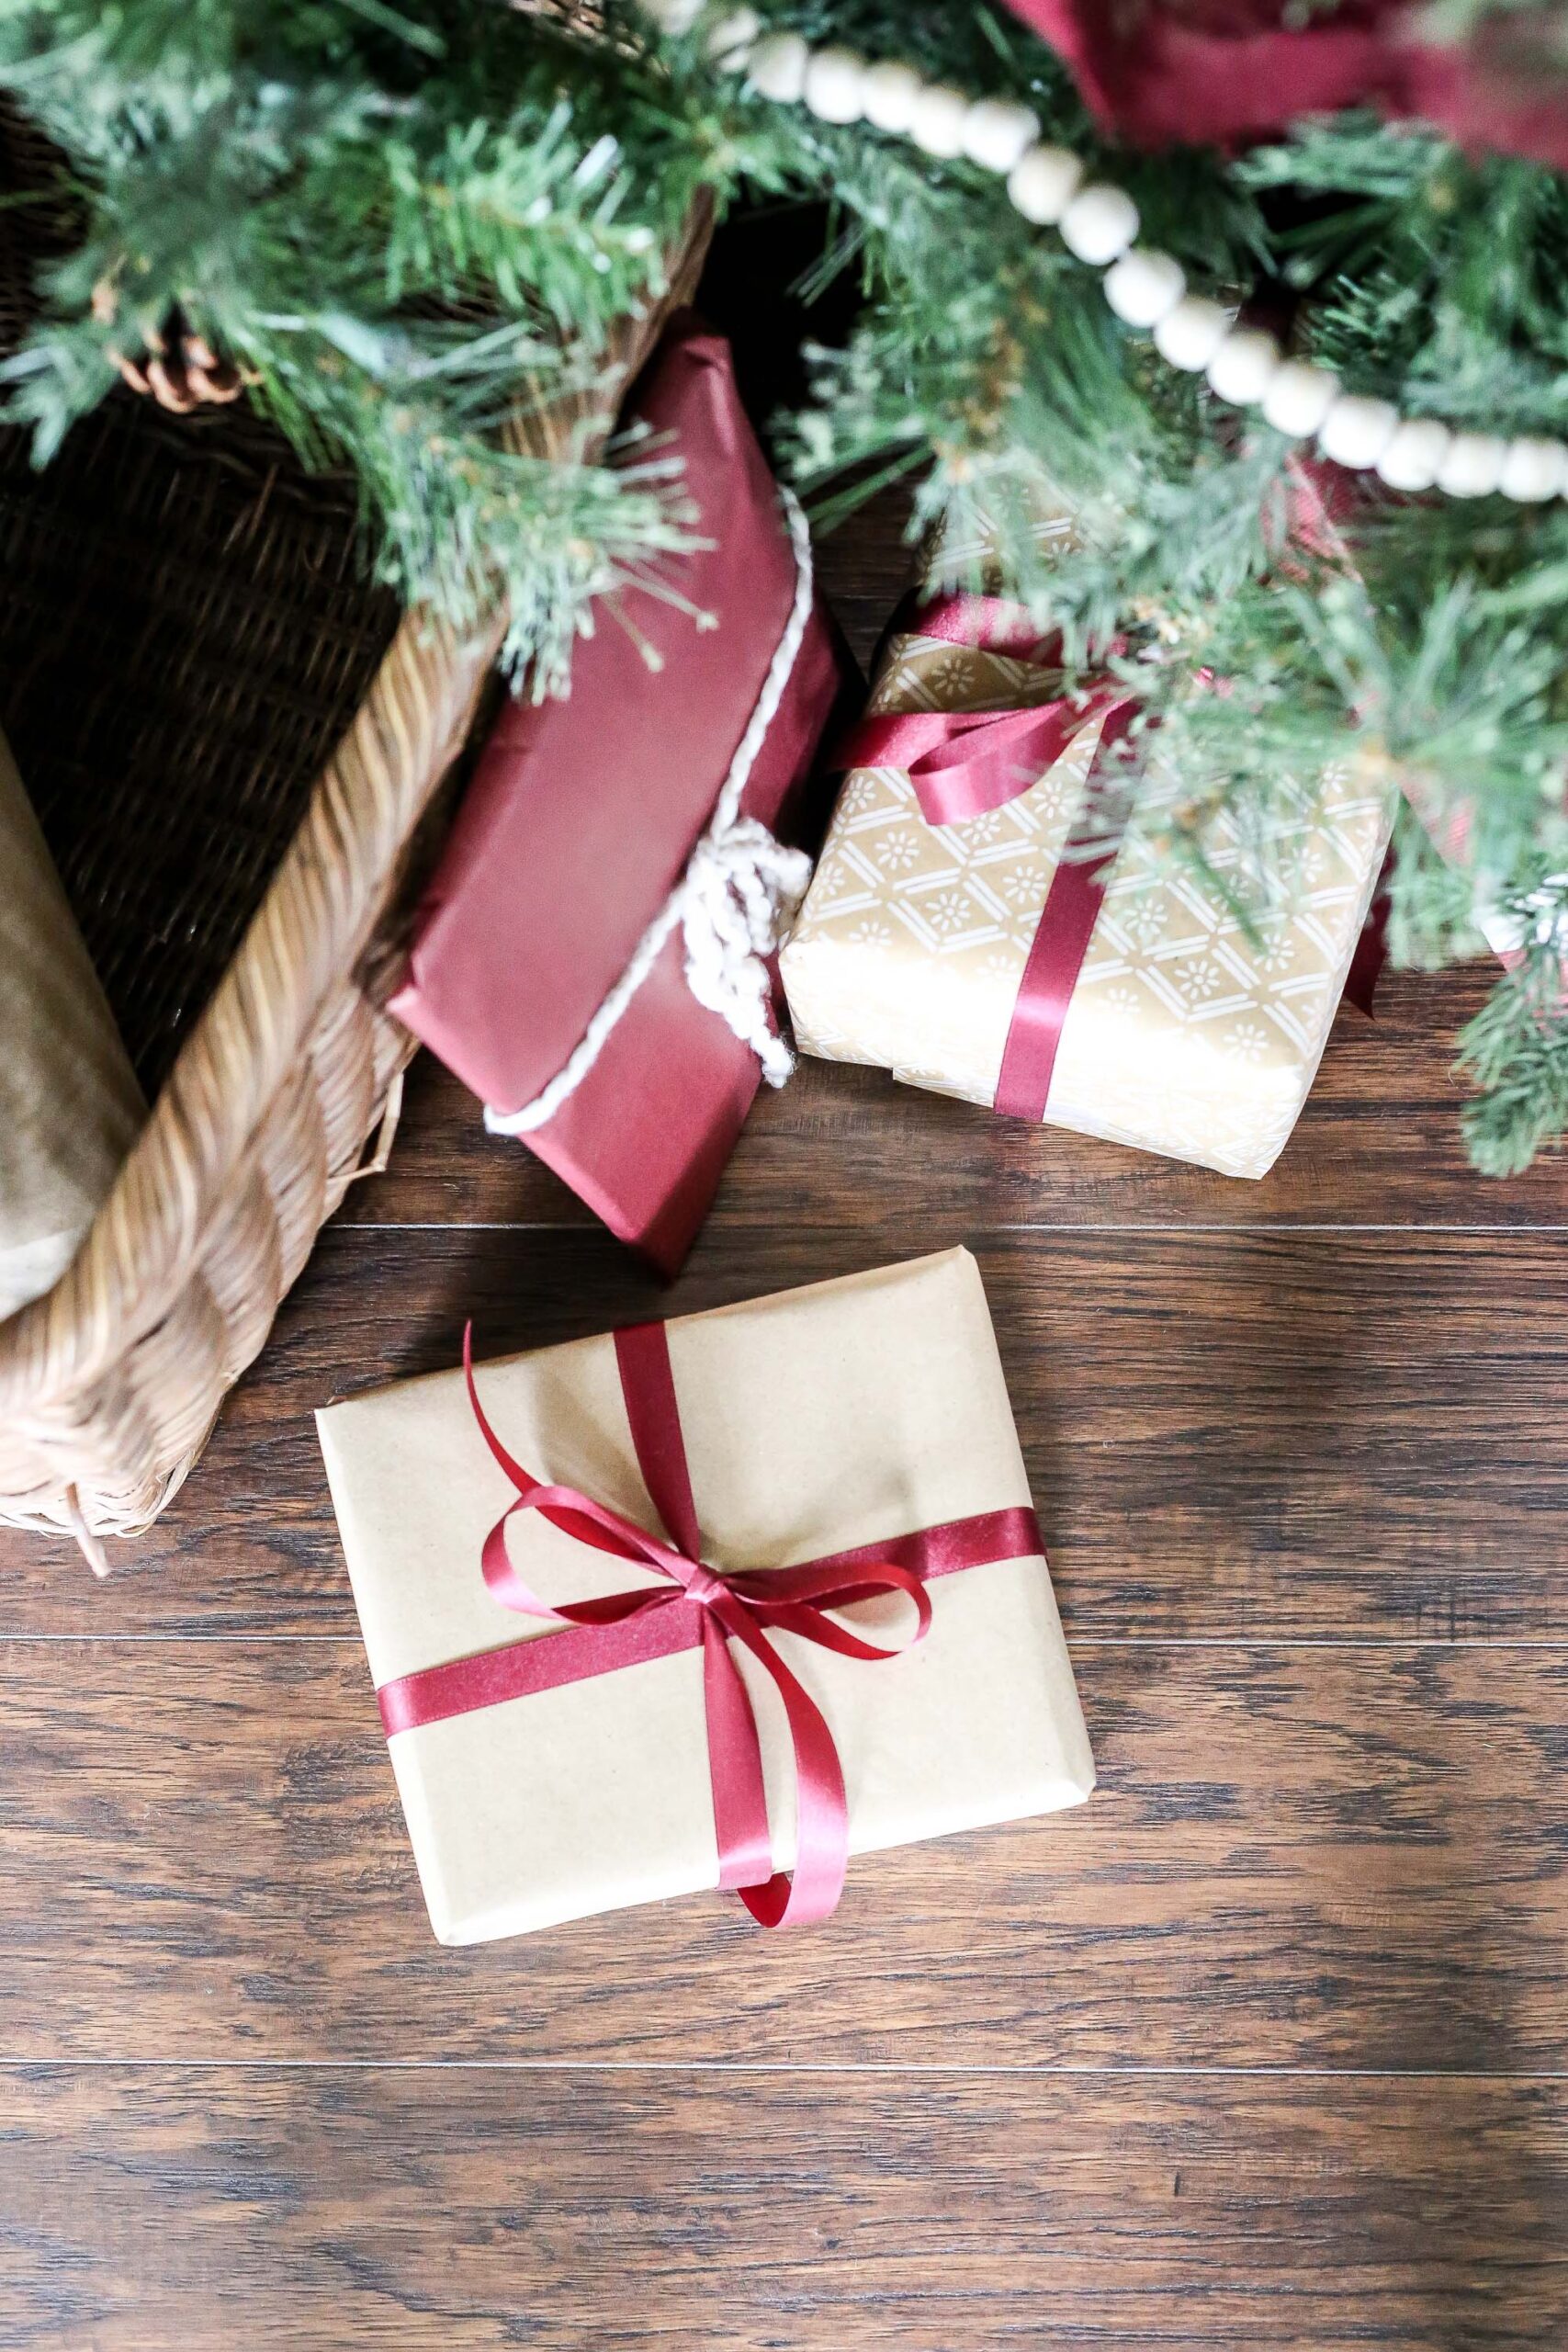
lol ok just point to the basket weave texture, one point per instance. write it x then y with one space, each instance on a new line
231 739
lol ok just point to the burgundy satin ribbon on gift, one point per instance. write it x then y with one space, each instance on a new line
699 1604
964 763
1371 958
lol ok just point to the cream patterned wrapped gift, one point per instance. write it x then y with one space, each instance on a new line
1128 1001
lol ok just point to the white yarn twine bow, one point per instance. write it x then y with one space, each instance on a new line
734 902
742 888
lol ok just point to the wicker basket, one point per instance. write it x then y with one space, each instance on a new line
231 741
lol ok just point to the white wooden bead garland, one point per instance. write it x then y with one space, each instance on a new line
888 95
937 119
1145 288
1043 183
1190 335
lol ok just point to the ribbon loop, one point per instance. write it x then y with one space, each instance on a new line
963 763
740 1607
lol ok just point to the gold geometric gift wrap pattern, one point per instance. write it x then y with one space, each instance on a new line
1184 1035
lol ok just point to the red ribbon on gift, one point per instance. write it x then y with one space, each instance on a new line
963 762
701 1604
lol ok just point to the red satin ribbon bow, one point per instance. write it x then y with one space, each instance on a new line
740 1606
962 762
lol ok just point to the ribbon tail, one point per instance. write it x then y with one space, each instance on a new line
734 1767
1057 956
811 1891
1371 948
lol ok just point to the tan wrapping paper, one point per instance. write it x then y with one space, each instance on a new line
1184 1034
70 1107
813 1421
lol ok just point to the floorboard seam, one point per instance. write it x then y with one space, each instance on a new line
1072 1225
1545 1644
782 2068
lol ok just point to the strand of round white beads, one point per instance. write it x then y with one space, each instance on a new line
1145 288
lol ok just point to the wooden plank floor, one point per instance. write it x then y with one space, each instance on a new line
1268 2045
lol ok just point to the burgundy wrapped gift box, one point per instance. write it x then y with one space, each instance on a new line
581 819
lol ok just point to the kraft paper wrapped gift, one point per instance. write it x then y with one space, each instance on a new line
586 815
946 952
815 1422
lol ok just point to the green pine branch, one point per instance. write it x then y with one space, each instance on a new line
1514 1053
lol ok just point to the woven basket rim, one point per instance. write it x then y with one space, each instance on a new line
330 886
152 1225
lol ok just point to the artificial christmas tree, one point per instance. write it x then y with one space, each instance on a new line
382 220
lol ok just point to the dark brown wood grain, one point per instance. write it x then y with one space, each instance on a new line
411 2211
1290 1433
1296 1856
1266 2045
865 567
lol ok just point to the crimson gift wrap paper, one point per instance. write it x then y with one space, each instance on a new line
581 817
815 1421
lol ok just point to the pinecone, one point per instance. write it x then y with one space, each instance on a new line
180 371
